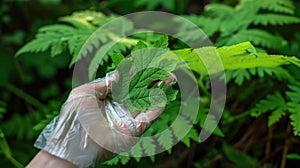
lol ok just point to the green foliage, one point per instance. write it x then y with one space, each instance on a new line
241 57
263 89
232 57
2 108
237 24
274 103
275 19
294 107
280 106
295 117
75 34
282 6
293 156
151 5
148 66
239 158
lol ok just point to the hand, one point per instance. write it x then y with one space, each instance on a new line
92 127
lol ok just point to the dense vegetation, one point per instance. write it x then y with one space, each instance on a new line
258 42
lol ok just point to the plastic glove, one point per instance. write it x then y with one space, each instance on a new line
91 127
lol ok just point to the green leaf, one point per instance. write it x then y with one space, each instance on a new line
148 146
117 58
42 124
294 156
137 151
275 116
239 56
239 158
201 60
113 161
151 5
294 93
257 37
237 49
278 72
98 57
124 159
144 98
239 76
282 6
165 139
40 44
209 25
179 125
191 135
275 19
274 103
140 45
208 123
294 109
146 65
162 42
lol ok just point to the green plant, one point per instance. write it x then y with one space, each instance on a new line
260 123
241 61
149 65
247 21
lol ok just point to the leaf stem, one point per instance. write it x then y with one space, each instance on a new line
237 117
26 97
6 151
202 87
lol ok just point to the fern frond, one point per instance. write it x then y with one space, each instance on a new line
107 50
151 5
275 116
86 19
281 6
42 42
294 93
75 45
278 73
209 25
239 76
123 159
219 10
148 146
20 126
208 123
179 125
136 151
275 19
112 162
42 124
232 58
166 140
192 134
76 33
36 45
271 103
59 37
294 109
258 37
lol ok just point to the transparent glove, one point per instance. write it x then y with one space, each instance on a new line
91 127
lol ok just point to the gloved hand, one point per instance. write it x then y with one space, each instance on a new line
92 127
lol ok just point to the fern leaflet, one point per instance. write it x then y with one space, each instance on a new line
294 109
274 103
257 37
275 19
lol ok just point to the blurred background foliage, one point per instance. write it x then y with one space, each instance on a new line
34 86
